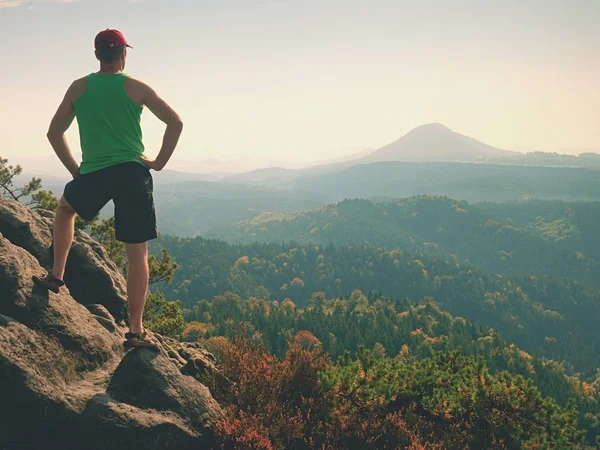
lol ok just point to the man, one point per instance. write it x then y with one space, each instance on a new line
108 106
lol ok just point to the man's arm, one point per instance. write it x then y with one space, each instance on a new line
58 126
167 115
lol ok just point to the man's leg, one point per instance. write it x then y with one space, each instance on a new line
135 224
64 228
137 283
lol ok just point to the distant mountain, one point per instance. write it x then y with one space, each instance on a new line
271 174
175 176
553 159
436 142
285 178
473 182
344 158
427 143
431 143
581 151
593 156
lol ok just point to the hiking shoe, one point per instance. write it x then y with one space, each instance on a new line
142 340
49 282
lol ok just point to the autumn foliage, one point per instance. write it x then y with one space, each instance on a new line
271 402
305 401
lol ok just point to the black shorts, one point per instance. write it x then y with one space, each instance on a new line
130 187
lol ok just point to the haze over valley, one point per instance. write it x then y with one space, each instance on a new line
430 159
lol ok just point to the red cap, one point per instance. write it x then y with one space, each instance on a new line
110 38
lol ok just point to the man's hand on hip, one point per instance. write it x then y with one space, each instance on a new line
151 163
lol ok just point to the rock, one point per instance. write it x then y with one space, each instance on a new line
66 381
148 380
176 357
25 228
5 320
61 317
87 265
198 346
108 324
46 214
201 365
197 362
138 429
103 317
100 310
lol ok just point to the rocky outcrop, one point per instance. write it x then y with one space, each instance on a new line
195 361
92 278
66 381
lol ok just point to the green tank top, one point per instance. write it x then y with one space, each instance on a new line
110 131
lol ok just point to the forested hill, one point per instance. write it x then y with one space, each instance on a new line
392 330
547 316
472 182
530 238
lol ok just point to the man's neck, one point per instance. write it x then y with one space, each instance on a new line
110 68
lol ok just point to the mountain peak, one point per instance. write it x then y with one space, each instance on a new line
430 127
436 142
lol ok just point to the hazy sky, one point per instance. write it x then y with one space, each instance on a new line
285 81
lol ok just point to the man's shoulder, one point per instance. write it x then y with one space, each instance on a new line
77 88
136 89
79 82
136 83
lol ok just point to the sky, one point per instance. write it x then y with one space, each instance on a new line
288 82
